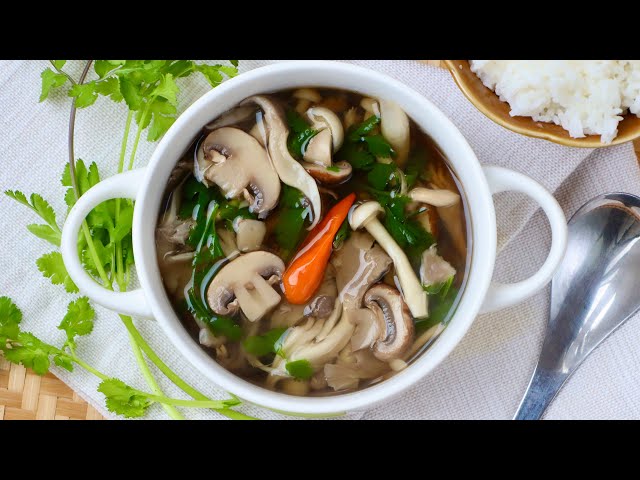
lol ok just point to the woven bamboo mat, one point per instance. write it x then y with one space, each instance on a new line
26 396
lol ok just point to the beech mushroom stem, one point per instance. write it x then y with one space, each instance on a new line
366 215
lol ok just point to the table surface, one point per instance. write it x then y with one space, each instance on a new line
27 396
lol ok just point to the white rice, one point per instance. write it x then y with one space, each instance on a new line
583 96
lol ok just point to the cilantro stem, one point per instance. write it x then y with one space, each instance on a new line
139 131
89 368
125 138
73 82
120 277
146 373
157 361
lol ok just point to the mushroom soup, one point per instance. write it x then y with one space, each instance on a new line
313 241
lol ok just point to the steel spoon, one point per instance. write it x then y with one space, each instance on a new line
595 290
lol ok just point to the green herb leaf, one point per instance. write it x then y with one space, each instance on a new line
300 133
408 233
131 93
342 235
441 309
123 399
417 166
167 89
300 369
31 352
10 318
357 155
261 345
52 267
50 80
85 94
63 361
381 174
365 128
58 64
441 289
45 232
226 326
379 147
38 204
110 87
78 320
289 228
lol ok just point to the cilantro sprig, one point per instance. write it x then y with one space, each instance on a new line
26 349
150 91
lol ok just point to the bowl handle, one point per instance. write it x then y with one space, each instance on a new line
502 295
124 185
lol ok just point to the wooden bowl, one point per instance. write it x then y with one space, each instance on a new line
488 103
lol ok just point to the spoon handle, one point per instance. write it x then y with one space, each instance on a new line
543 387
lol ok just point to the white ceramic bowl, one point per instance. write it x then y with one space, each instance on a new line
146 186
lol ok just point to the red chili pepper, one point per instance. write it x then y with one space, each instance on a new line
306 271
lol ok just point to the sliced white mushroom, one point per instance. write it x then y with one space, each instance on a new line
394 323
394 126
365 216
370 106
350 118
323 118
242 284
319 150
310 341
289 170
435 197
333 175
228 243
310 94
249 233
232 117
239 165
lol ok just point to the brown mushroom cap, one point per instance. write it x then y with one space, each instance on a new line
242 284
239 165
394 320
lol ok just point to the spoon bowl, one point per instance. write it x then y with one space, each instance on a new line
594 291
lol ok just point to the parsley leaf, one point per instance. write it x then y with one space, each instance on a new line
85 94
300 369
123 399
31 352
441 309
365 128
10 318
289 227
379 147
300 133
58 64
45 232
38 204
78 320
50 80
167 89
407 232
52 267
223 326
381 174
261 345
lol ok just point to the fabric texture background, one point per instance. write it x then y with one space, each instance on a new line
483 378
